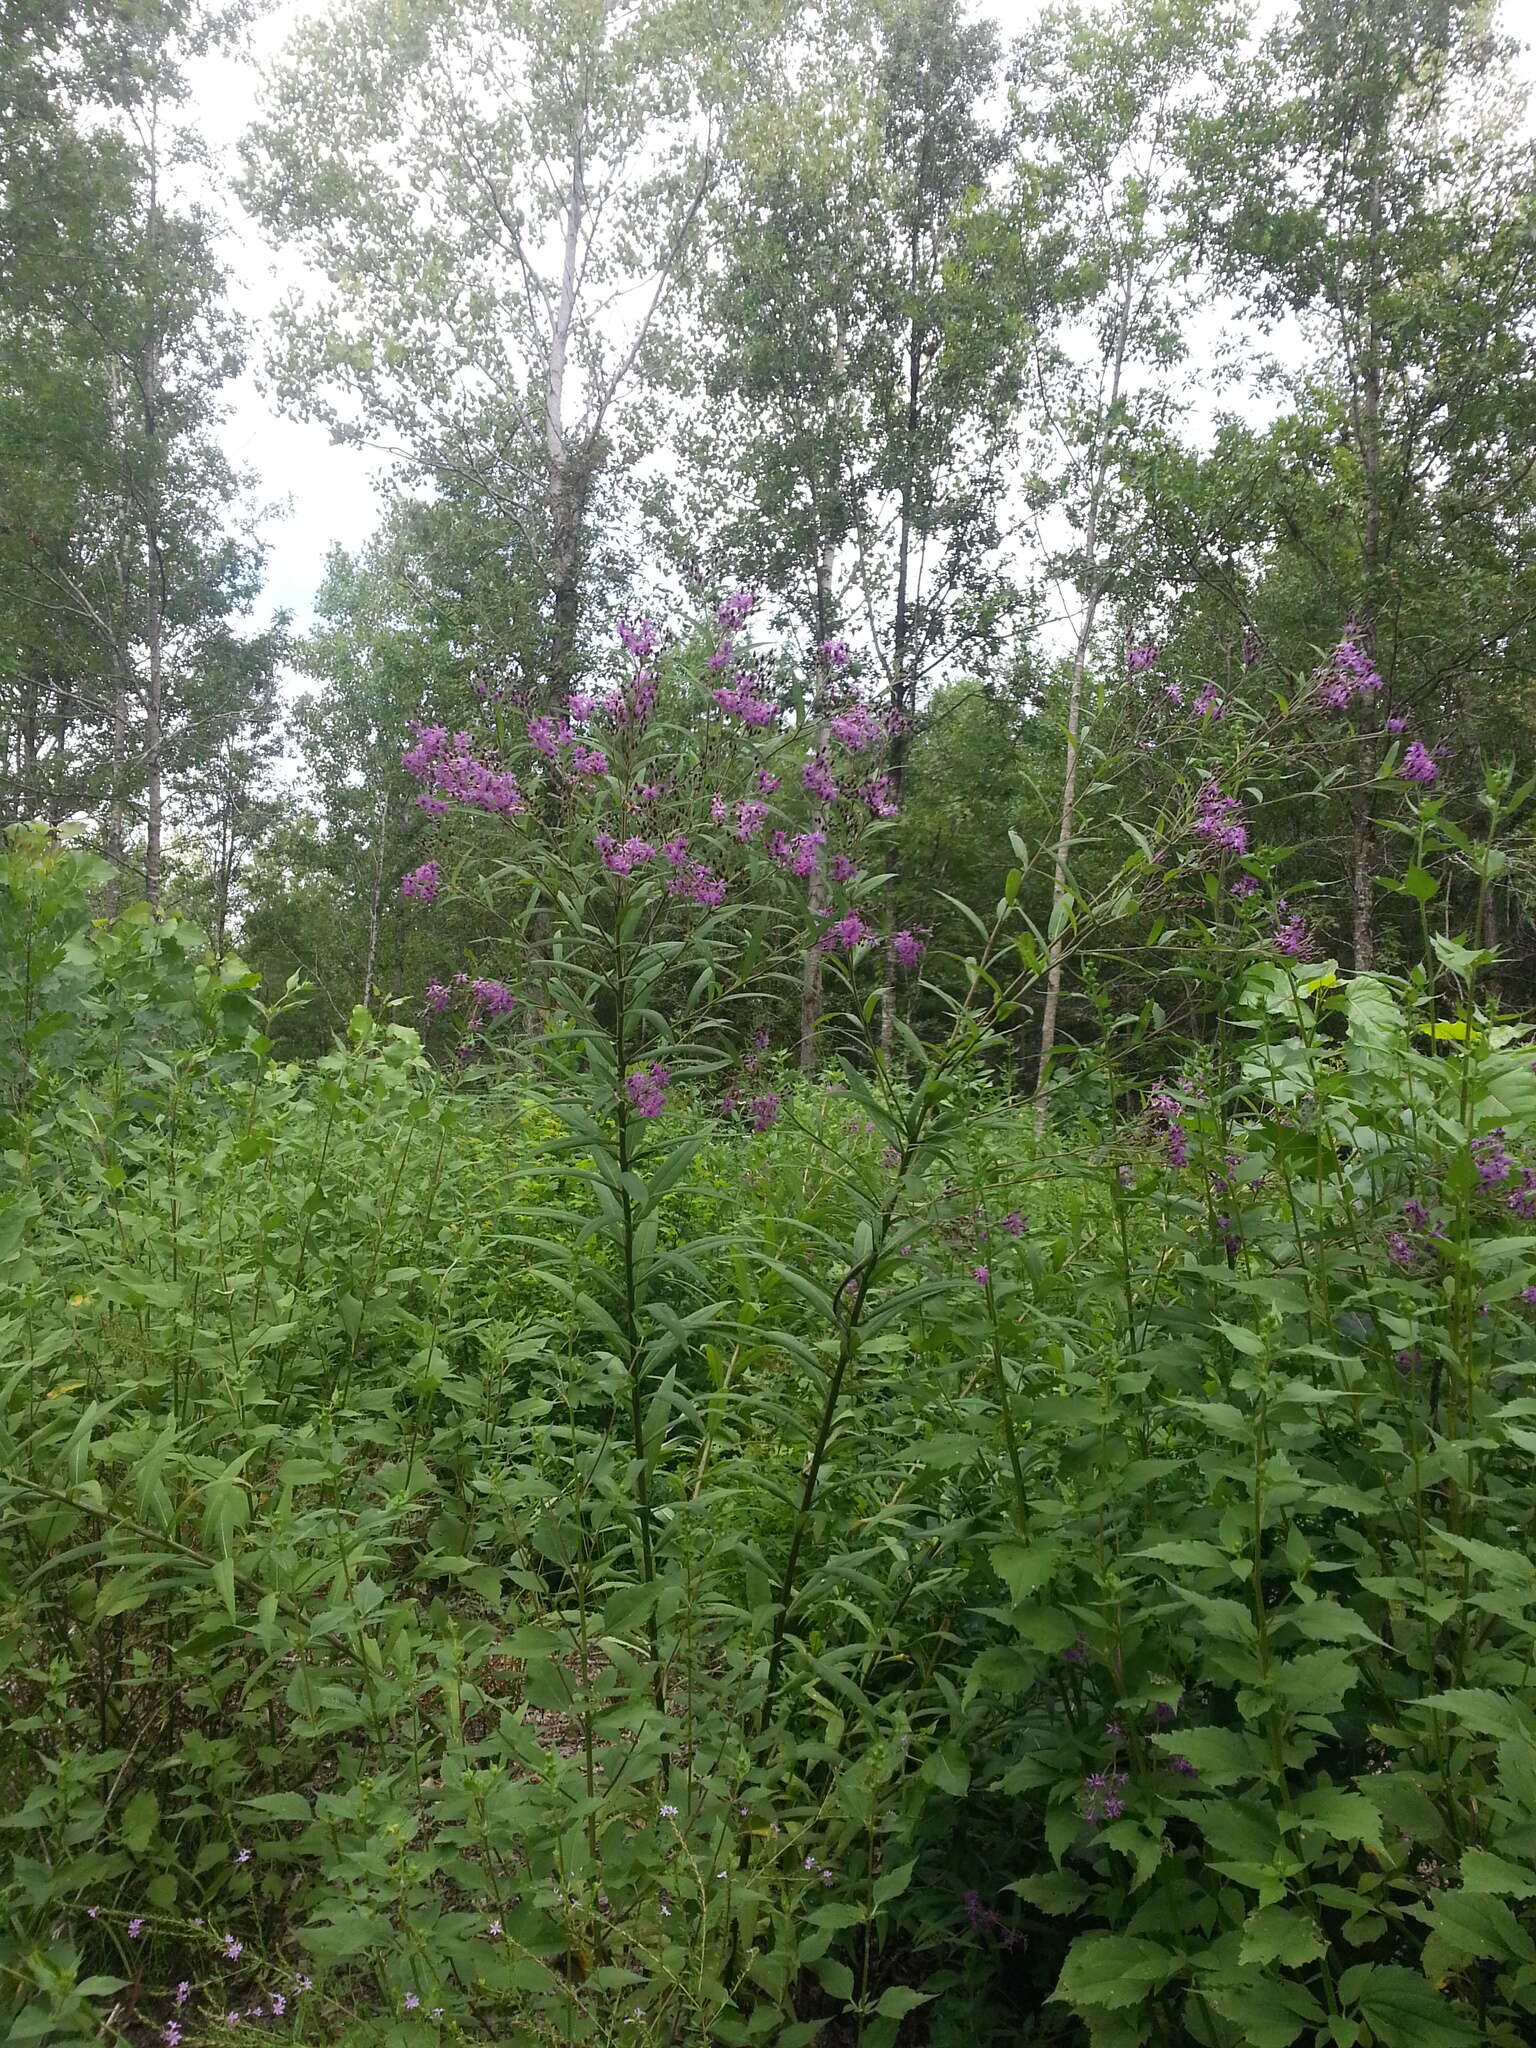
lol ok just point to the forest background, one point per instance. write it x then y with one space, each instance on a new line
994 356
766 1224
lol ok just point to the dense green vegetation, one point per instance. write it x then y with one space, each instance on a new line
768 1239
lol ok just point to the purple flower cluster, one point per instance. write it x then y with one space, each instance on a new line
623 859
741 700
846 933
879 797
856 727
1140 658
1409 1248
1521 1200
641 638
763 1111
1175 1138
423 883
1219 820
733 611
820 781
647 1090
1493 1163
1347 676
835 652
800 855
696 883
488 1001
454 775
907 949
984 1921
1417 765
1291 937
1102 1796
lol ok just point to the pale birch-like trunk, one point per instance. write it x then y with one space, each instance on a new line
1092 598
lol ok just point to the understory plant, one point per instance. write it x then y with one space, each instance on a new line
549 1524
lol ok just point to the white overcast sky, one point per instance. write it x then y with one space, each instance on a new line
322 494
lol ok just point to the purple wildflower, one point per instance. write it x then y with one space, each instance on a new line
589 761
1417 765
1521 1200
1140 658
847 932
855 728
1292 937
436 998
835 652
733 611
981 1275
1527 1297
879 797
623 860
232 1949
697 884
489 1000
641 637
766 783
242 1855
763 1111
1013 1223
801 855
135 1929
423 883
1208 704
907 949
749 819
183 1992
647 1090
1493 1163
1218 819
1348 674
1244 887
743 702
171 2035
1397 725
844 868
819 780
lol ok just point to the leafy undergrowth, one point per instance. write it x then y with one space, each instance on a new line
957 1593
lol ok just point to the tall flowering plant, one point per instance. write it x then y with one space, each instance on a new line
664 846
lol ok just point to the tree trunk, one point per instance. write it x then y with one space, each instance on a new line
1362 852
566 480
903 674
1093 596
375 902
816 886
